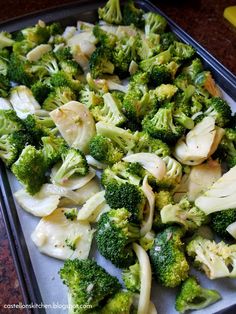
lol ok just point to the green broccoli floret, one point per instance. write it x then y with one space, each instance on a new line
131 278
132 15
23 47
30 169
161 125
182 51
4 86
154 23
53 147
71 213
160 74
11 146
49 63
88 283
227 147
5 40
111 12
167 39
9 122
20 70
167 257
89 98
147 144
108 111
58 97
103 149
192 296
100 62
219 109
71 67
63 79
114 235
182 81
120 303
221 220
40 91
38 34
193 69
63 53
104 38
162 58
73 163
126 195
147 46
162 199
217 260
3 65
55 28
172 177
184 213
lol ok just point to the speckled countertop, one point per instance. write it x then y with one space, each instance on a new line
203 20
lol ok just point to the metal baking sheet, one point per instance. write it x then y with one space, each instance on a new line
38 273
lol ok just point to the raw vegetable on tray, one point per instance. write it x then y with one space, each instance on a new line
126 99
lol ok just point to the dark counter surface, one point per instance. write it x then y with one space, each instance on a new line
203 20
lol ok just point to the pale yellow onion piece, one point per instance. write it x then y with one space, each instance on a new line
195 148
218 137
5 104
81 195
85 41
92 208
74 182
53 232
36 53
75 123
152 309
148 192
202 177
40 204
232 229
133 67
95 163
69 32
145 279
84 26
221 195
151 162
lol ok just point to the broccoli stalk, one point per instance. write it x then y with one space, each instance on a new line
132 15
114 235
88 283
167 257
219 110
111 12
73 163
131 278
192 296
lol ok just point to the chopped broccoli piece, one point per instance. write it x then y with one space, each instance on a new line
88 283
40 91
160 74
104 38
161 125
162 199
221 220
148 144
19 70
58 96
71 67
111 12
4 86
23 47
132 15
167 257
100 62
193 69
217 260
38 34
55 28
53 148
184 213
114 235
219 110
121 302
167 39
9 122
161 58
104 150
90 98
63 79
154 23
129 196
131 278
73 163
5 40
192 296
182 51
30 169
227 147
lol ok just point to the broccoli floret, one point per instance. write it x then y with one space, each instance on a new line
120 303
148 144
129 196
30 169
192 296
103 149
11 146
63 53
131 278
193 69
58 97
4 86
182 51
132 15
108 111
173 174
221 220
161 125
88 283
219 110
165 92
3 65
227 147
162 199
38 34
49 63
73 163
147 46
63 79
9 122
161 58
111 12
184 213
23 47
90 98
71 67
5 40
167 257
160 74
40 91
53 148
154 23
55 29
167 39
114 235
19 70
100 62
104 38
217 260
